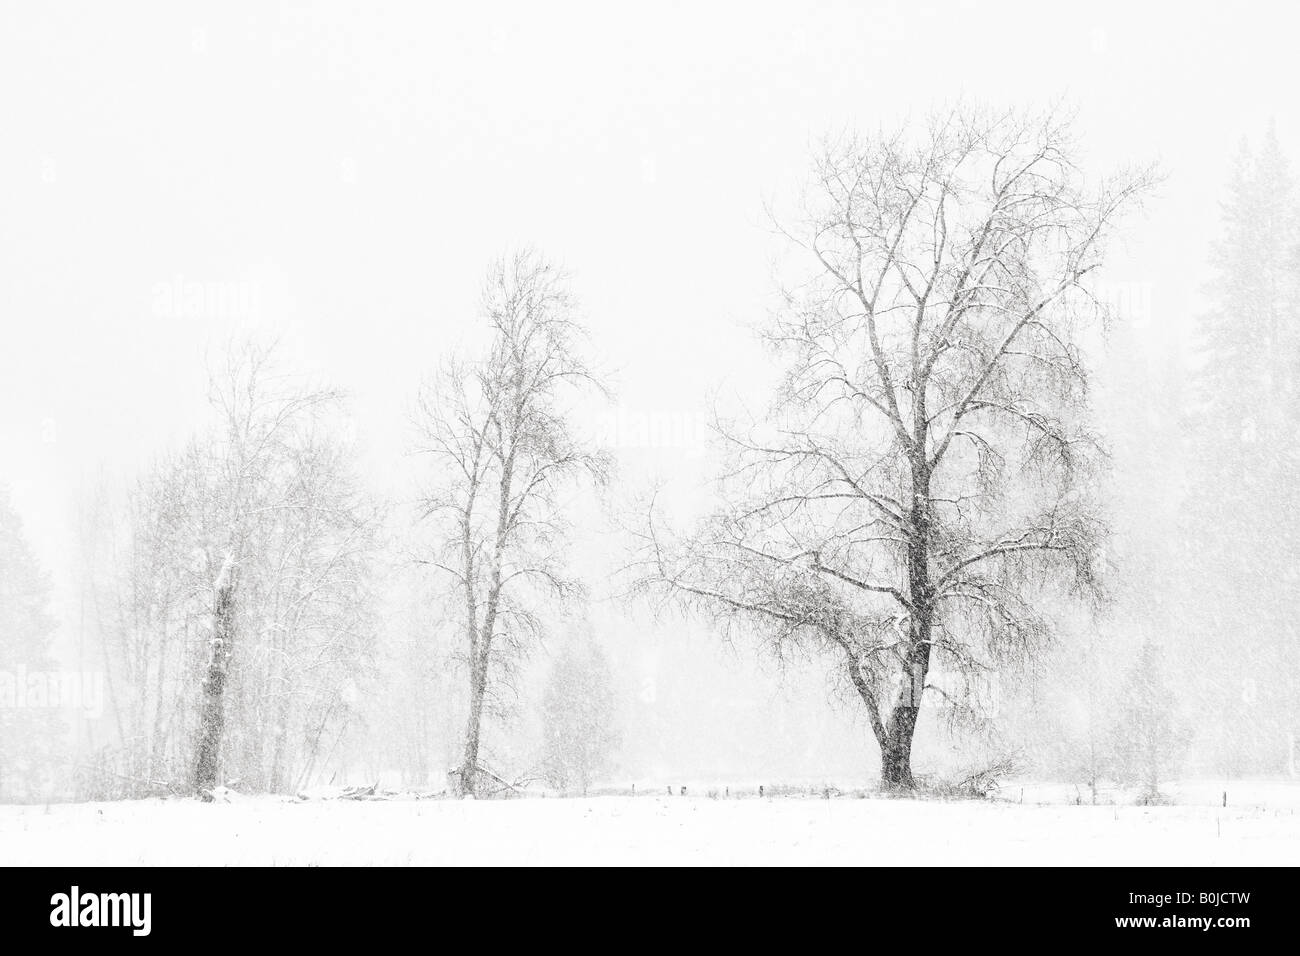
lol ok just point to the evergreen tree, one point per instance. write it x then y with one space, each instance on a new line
1149 740
1242 526
29 723
578 712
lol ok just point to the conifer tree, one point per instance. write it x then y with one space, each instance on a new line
29 722
1149 739
1241 522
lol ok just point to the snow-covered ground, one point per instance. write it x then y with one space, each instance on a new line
658 830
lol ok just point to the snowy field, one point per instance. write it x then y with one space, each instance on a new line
1264 829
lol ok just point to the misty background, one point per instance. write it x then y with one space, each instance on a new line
337 178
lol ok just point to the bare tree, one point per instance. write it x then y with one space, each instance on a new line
235 600
505 453
925 466
261 464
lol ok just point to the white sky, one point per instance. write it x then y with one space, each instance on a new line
350 168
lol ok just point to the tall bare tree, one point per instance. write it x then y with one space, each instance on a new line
276 485
235 598
924 469
505 455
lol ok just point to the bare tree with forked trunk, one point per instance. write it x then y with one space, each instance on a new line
505 455
925 468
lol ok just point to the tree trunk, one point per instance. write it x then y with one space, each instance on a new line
896 766
481 639
279 761
468 779
895 737
901 727
212 718
896 748
896 741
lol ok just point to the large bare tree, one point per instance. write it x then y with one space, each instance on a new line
923 471
505 455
